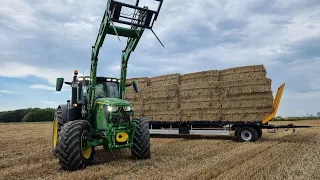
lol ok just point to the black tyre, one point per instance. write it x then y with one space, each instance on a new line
70 151
246 134
259 133
58 122
141 140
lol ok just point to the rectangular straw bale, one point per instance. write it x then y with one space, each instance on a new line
199 85
195 99
161 91
141 80
200 74
162 106
245 75
245 82
138 113
161 100
200 105
247 103
262 110
243 69
203 76
244 117
165 80
198 93
246 89
200 117
258 95
198 80
166 117
170 115
199 89
137 105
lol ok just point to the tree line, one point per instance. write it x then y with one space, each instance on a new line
28 115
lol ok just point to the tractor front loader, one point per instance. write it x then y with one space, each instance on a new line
98 114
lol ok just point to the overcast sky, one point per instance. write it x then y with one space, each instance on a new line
41 40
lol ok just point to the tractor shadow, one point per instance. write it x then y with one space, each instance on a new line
106 156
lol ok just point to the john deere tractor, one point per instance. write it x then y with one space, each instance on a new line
98 113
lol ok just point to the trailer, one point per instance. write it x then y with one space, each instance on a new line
243 130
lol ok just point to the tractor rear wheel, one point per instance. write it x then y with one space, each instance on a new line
141 140
70 146
58 122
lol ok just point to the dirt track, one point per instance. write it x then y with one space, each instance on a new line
25 154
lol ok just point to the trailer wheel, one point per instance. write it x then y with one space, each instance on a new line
259 133
247 134
141 140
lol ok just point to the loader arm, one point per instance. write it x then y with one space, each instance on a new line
142 18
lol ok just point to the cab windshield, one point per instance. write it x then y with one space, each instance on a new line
107 89
103 89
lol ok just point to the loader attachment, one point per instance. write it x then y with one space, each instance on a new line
149 16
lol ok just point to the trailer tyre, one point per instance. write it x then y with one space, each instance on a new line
72 153
247 134
141 140
259 133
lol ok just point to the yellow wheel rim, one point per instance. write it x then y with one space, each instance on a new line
55 133
86 152
122 137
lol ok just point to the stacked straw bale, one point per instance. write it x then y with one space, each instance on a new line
161 98
235 94
136 98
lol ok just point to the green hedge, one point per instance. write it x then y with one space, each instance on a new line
27 115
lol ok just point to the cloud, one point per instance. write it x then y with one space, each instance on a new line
49 39
9 92
41 86
21 70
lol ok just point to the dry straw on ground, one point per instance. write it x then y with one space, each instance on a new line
25 154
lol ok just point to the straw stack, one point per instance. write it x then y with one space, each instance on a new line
235 94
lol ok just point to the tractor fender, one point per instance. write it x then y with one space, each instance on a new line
74 112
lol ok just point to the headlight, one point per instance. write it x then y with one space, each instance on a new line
112 108
127 108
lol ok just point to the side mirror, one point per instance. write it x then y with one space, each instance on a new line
59 84
135 86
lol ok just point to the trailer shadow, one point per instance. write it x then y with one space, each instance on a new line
195 137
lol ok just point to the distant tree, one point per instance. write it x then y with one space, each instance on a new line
38 115
318 114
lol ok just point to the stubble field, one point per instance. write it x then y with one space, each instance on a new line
25 154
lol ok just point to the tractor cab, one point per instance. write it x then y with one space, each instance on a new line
106 87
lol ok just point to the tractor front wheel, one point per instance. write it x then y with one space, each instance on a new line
141 140
71 150
58 122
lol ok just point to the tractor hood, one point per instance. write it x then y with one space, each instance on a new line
112 102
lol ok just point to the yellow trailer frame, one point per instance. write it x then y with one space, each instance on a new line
276 103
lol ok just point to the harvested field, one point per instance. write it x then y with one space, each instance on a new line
25 154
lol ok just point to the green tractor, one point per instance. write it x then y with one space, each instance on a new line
98 113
